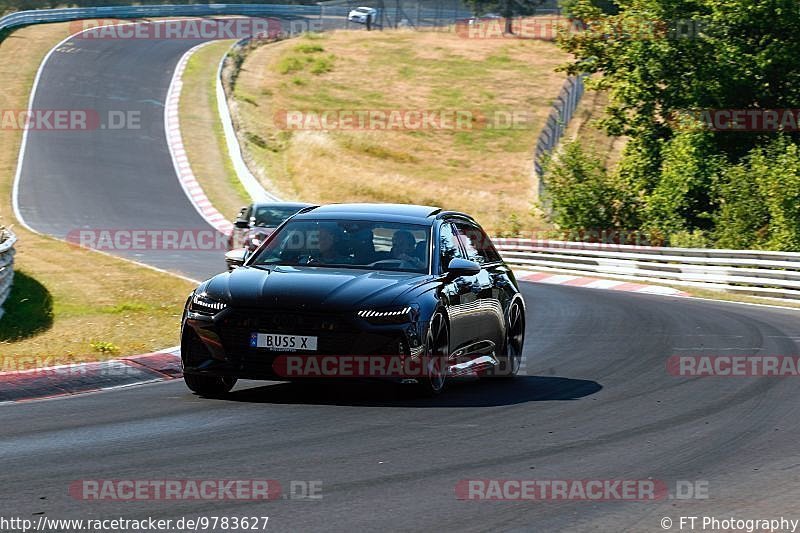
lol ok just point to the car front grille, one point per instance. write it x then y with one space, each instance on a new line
336 336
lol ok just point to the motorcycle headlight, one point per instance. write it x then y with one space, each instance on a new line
390 316
203 303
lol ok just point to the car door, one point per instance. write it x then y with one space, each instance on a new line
458 293
490 319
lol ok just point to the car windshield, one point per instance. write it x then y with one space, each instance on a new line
272 216
349 244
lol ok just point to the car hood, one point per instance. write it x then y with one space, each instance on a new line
315 288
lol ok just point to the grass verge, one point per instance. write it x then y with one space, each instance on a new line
202 133
69 304
481 169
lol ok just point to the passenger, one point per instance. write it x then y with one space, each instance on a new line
363 247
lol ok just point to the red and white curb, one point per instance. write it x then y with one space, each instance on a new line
596 283
66 380
180 161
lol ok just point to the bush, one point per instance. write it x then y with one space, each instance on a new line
105 348
322 65
289 64
760 200
581 194
682 199
309 48
686 239
742 221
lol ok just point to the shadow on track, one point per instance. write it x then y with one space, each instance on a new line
461 393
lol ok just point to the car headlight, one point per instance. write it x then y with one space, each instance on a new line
203 303
390 316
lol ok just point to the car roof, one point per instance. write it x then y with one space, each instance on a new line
408 213
298 205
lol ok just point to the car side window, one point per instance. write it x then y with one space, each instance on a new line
448 245
477 244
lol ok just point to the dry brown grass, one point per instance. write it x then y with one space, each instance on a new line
96 299
485 171
202 132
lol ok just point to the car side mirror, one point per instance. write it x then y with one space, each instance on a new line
462 267
236 258
242 224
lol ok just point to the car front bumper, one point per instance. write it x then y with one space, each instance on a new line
219 345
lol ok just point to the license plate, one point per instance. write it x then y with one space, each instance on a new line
276 341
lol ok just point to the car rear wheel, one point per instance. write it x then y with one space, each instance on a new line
437 352
209 386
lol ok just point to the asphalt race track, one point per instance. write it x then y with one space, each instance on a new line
597 401
598 404
111 178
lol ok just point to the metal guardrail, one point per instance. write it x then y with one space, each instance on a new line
757 273
23 18
7 240
563 109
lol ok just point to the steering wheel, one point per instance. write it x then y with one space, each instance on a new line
306 260
388 263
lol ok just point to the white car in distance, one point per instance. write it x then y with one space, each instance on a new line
360 14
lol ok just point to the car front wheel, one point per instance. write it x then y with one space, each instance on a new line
437 353
209 386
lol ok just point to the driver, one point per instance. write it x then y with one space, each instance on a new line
329 245
404 247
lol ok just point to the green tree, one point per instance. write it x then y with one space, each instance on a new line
742 221
683 198
660 60
761 200
608 6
